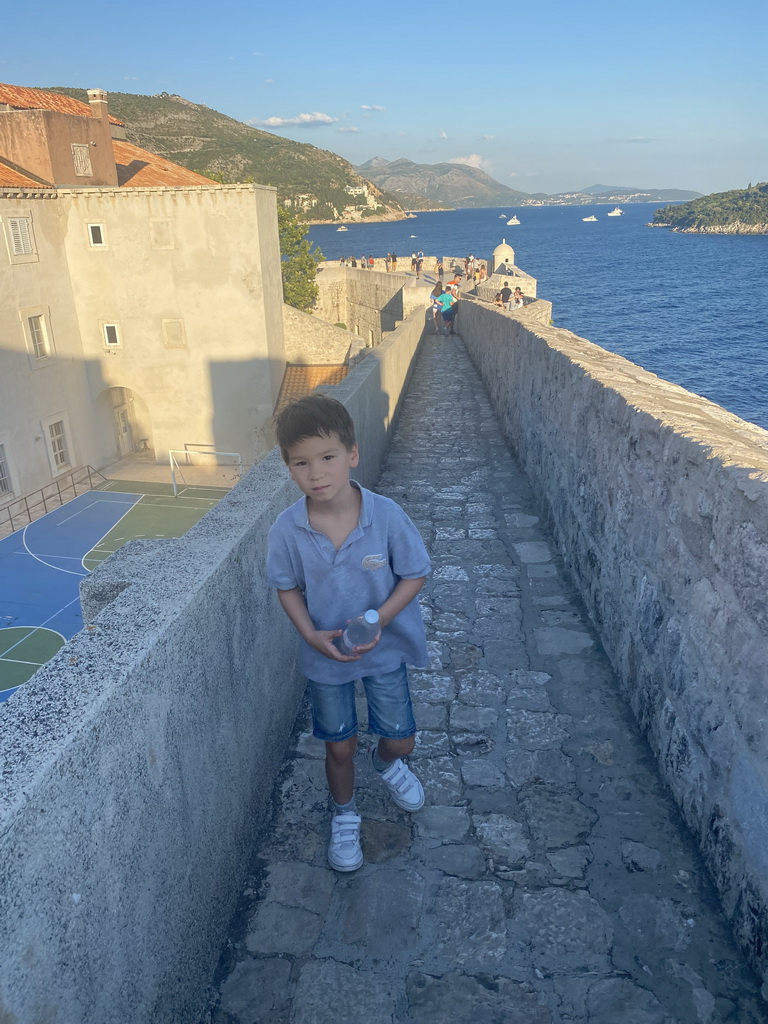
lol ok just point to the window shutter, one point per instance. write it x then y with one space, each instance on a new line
21 236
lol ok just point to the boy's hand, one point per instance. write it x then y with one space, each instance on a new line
364 648
322 641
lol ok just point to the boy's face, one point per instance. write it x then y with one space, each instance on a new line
320 466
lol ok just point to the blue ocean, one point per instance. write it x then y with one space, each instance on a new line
690 308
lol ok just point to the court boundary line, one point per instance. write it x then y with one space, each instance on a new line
42 625
85 508
101 538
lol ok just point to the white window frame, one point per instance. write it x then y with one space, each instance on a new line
81 157
7 483
26 316
89 233
111 327
20 241
58 468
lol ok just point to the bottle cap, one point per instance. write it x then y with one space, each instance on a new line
371 616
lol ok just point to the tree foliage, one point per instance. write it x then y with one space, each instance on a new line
299 261
742 206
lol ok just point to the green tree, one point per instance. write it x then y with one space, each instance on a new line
299 261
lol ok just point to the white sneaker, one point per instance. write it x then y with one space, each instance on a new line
404 788
344 853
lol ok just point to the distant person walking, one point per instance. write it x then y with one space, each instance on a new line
448 311
388 262
506 295
394 263
418 267
437 307
439 267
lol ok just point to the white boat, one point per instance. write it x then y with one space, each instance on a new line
593 217
502 216
342 228
514 220
411 236
616 212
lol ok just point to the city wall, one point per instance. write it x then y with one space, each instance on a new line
138 764
368 304
659 502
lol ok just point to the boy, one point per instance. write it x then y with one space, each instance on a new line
335 553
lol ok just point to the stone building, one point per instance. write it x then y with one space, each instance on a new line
140 302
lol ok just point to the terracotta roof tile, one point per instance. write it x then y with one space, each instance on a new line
23 98
138 168
300 381
10 178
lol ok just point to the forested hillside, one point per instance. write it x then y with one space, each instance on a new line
195 136
740 211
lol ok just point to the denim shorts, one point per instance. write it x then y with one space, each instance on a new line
389 707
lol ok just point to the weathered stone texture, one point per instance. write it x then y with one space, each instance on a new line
659 503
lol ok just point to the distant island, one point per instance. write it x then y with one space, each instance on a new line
738 212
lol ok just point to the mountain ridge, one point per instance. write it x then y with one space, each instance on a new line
313 181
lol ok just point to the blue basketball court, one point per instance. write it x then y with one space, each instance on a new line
42 564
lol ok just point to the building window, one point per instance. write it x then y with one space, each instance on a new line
36 325
22 243
20 238
38 336
58 441
5 473
111 335
96 235
81 158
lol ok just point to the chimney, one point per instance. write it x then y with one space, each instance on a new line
98 101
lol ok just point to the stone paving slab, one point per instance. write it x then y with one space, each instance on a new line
549 878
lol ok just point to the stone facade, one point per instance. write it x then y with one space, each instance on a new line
659 503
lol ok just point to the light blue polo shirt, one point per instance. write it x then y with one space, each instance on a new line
384 548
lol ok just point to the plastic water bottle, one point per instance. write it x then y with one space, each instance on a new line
360 630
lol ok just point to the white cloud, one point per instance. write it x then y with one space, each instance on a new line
366 106
441 134
257 53
347 129
301 120
488 137
473 160
268 81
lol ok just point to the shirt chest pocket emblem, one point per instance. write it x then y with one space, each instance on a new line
374 562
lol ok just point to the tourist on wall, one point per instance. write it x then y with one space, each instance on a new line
437 308
394 263
439 267
418 267
388 262
519 298
506 295
448 311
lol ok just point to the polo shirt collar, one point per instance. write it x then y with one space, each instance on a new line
301 516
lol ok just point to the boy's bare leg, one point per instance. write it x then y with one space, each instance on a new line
340 769
390 750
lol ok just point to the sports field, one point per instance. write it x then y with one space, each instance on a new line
42 564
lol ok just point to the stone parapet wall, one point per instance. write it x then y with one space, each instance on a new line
138 764
313 342
368 304
659 501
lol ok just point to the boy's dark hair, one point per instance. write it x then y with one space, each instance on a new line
313 416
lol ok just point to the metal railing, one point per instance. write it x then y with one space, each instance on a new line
29 507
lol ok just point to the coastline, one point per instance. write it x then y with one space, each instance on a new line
736 228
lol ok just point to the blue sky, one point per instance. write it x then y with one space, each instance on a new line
548 97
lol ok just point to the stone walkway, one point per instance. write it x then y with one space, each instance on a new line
549 878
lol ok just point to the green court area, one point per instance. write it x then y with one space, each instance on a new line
157 514
23 649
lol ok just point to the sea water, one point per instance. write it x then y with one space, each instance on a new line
690 308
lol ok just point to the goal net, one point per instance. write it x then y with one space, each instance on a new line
194 468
